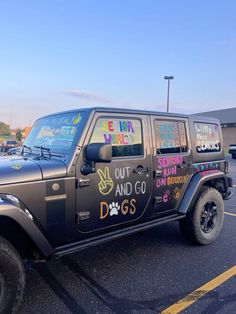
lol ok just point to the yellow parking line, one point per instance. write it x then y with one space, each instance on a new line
231 214
200 292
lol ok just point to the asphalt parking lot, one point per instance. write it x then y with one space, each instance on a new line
144 273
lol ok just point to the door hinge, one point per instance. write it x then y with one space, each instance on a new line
82 216
157 200
83 182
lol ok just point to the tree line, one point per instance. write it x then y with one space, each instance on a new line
6 131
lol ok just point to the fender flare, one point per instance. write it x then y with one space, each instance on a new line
195 186
22 216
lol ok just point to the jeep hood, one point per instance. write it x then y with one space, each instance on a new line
17 169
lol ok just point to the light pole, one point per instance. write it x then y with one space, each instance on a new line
168 78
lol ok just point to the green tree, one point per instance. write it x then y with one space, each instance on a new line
19 135
4 129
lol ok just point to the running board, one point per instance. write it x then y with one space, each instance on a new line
109 236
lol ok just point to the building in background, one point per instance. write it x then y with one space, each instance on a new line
227 119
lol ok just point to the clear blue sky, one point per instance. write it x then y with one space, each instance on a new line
62 54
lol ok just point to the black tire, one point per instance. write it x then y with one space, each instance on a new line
12 278
204 221
234 156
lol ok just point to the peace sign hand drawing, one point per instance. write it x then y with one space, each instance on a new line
106 184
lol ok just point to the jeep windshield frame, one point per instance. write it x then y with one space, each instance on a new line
57 133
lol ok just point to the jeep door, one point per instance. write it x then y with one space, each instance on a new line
171 162
118 192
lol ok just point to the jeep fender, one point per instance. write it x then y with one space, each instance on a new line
195 186
12 208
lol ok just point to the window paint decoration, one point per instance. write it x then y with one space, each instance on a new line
124 135
57 133
207 137
168 134
117 132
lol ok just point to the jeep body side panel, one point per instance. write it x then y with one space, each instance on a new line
172 161
51 203
26 222
119 192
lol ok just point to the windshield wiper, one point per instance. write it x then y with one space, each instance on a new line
47 150
43 150
25 147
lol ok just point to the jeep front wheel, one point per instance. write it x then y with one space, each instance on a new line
12 278
204 221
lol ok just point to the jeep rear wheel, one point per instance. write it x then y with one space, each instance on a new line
204 221
12 278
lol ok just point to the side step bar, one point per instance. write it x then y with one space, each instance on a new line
109 236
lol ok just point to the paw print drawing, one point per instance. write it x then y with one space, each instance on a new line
166 196
114 207
177 193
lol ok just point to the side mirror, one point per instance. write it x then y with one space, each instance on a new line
96 152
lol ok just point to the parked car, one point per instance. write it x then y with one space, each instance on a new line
6 145
14 150
101 174
232 150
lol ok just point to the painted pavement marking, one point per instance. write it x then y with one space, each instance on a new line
182 304
231 214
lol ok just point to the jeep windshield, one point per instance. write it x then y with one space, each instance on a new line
56 134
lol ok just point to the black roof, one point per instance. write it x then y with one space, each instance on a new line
121 110
89 110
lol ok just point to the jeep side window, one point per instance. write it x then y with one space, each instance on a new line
124 134
207 137
170 137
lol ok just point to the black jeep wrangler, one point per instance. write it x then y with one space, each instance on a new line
92 175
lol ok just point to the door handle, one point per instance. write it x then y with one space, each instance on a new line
184 165
158 173
141 170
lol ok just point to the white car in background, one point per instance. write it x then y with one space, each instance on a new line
14 151
232 150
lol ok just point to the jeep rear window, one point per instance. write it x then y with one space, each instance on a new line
58 132
207 137
124 134
170 137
